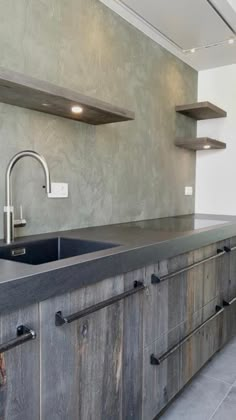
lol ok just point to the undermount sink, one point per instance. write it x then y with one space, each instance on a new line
48 250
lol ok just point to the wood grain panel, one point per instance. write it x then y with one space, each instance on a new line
84 358
191 298
199 349
19 368
133 350
155 305
161 383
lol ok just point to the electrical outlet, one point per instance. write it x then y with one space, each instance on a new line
58 190
188 191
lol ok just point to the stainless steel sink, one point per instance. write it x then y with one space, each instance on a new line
48 250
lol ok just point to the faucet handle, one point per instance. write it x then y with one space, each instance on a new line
21 222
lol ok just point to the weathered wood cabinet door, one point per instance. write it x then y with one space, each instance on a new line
19 368
173 311
132 360
89 364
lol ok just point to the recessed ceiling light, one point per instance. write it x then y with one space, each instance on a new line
76 109
231 41
45 104
206 146
192 50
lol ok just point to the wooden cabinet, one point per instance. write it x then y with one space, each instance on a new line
122 351
92 367
19 368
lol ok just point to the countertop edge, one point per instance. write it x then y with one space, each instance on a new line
31 289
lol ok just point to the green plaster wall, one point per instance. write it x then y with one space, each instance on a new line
116 173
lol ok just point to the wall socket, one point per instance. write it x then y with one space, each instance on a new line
188 191
58 190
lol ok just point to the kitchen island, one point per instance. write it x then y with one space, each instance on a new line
120 331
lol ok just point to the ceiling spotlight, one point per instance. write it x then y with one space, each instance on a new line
193 50
77 109
45 104
206 146
231 41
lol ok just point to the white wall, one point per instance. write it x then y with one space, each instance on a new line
216 170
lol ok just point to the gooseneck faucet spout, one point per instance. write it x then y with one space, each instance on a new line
9 209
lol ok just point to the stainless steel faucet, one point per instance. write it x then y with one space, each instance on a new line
9 222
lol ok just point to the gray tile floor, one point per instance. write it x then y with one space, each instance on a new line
212 394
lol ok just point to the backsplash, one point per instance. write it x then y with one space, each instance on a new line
116 173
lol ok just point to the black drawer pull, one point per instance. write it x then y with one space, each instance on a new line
226 303
227 249
155 279
158 360
60 319
23 334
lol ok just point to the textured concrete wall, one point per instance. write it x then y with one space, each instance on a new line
116 173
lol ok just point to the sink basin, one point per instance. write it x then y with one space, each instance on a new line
48 250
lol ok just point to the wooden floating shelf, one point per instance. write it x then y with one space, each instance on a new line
200 143
27 92
201 111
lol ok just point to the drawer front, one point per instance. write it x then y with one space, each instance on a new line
86 353
228 328
181 312
160 383
180 354
97 350
178 298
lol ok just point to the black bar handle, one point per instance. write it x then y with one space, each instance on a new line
156 279
60 319
23 334
158 360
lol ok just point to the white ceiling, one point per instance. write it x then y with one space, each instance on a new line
180 21
184 24
232 3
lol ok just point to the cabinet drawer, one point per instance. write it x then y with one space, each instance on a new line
82 359
228 329
172 360
201 346
92 356
160 383
188 283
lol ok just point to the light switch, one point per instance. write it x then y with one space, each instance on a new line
58 190
188 191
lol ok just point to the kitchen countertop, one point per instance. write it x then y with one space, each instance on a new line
140 244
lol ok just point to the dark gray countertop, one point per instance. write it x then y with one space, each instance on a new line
141 243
